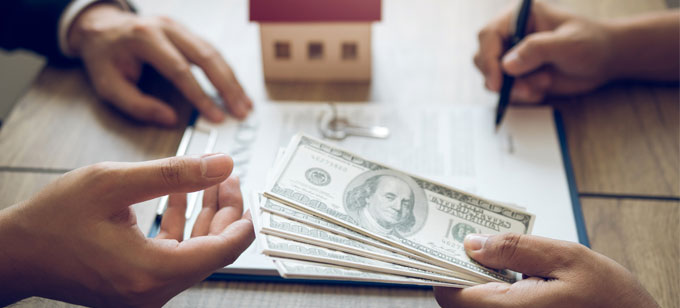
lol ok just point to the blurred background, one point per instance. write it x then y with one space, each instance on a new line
17 71
19 68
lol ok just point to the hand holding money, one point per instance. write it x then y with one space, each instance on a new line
331 207
562 274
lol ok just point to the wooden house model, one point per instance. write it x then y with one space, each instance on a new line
316 40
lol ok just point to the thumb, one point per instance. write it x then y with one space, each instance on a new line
528 254
534 51
137 182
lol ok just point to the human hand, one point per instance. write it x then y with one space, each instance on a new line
114 44
78 240
561 274
561 54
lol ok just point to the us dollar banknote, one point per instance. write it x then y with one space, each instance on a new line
297 269
274 246
278 208
414 214
285 228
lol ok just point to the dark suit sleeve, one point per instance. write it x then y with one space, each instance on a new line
32 25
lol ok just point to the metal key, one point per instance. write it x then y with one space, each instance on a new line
338 128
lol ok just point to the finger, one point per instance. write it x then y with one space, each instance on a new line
531 88
206 254
172 225
533 52
524 92
208 210
540 80
497 294
521 93
562 84
491 47
213 64
164 56
492 43
137 182
113 87
230 205
488 58
477 296
527 254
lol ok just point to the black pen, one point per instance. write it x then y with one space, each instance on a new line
508 81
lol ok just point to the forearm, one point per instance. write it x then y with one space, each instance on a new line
34 265
646 47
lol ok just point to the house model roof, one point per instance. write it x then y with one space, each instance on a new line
314 10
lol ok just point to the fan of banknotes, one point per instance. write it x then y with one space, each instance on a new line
329 214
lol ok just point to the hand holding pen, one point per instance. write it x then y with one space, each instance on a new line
561 54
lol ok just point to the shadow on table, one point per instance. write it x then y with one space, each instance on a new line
319 91
267 294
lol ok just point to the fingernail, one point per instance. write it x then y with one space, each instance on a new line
241 109
475 242
510 58
215 165
217 115
493 84
245 105
213 113
165 117
521 92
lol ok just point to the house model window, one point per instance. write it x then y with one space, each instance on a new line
282 50
316 40
315 50
349 51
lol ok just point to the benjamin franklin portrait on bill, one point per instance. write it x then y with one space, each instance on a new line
386 202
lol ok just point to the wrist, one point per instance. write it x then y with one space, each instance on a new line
14 261
86 24
619 66
643 48
31 266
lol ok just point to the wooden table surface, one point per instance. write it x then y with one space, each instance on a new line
624 139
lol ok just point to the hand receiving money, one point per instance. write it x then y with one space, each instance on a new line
563 274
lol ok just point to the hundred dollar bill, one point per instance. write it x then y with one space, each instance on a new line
420 216
283 210
296 269
278 208
354 261
288 229
274 246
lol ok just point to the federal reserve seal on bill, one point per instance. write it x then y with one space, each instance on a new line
318 176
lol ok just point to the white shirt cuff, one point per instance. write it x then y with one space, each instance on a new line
69 16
